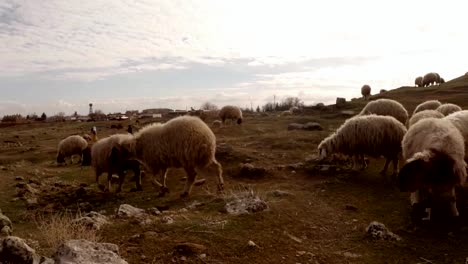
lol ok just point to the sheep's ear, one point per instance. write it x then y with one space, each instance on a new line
411 175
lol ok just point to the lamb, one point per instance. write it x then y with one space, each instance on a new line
183 142
460 121
366 91
72 145
231 112
429 79
447 109
419 81
434 151
424 114
372 135
427 105
106 157
386 107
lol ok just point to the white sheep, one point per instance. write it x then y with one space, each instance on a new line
72 145
230 112
424 114
434 151
418 81
430 78
371 135
183 142
460 121
366 91
427 105
386 107
447 109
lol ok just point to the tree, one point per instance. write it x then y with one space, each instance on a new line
75 114
43 117
208 106
258 109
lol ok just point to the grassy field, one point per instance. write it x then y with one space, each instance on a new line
322 219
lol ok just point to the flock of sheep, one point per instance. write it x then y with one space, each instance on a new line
432 142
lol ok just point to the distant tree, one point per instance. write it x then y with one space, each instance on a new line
27 117
75 114
12 118
208 106
258 109
43 117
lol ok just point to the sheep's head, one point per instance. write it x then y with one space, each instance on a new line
60 158
86 161
325 147
239 121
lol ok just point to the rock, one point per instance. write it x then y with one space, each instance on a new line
85 207
295 126
15 250
378 230
6 231
251 244
245 204
31 202
223 148
127 211
340 102
250 171
189 248
348 113
167 220
87 252
19 178
5 222
92 220
153 211
312 126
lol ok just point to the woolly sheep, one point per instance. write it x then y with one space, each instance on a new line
366 91
424 114
460 121
429 79
434 151
72 145
372 135
231 112
383 91
106 156
427 105
183 142
386 107
418 81
216 123
447 109
442 80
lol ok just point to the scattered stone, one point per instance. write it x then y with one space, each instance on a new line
295 126
351 255
247 203
183 258
5 222
153 211
15 250
87 252
251 244
188 249
32 202
378 230
128 211
202 256
19 178
348 113
312 126
92 220
224 148
167 220
6 231
250 171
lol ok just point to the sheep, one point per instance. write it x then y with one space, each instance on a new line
72 145
442 80
231 112
183 142
434 151
447 109
418 81
386 107
372 135
437 80
216 123
460 121
366 91
106 157
427 105
424 114
286 113
429 79
383 91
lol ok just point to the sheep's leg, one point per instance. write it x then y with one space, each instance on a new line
414 198
137 173
384 171
109 182
100 186
395 169
355 162
363 162
453 203
191 175
219 173
162 184
121 181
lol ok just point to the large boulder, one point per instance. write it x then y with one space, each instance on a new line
15 250
5 225
87 252
128 211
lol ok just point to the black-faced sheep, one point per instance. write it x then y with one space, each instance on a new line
430 78
371 135
183 142
434 151
106 156
424 114
418 81
72 145
386 107
427 105
366 91
232 113
447 109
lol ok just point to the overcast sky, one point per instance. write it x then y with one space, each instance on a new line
58 55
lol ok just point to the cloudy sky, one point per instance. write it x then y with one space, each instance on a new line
58 55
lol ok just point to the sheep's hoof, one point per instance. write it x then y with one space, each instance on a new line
184 194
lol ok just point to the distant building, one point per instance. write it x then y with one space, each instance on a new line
156 111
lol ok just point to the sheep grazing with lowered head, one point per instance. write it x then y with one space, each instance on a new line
434 151
460 121
106 157
383 91
366 91
442 80
424 114
430 78
418 81
371 135
72 145
232 113
427 105
386 107
183 142
447 109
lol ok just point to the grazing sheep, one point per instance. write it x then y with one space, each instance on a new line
383 91
72 145
437 80
217 123
434 151
418 81
386 107
231 112
366 91
429 79
460 121
424 114
427 105
372 135
183 142
442 80
447 109
106 156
